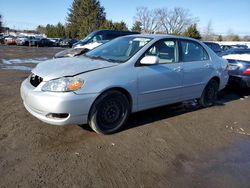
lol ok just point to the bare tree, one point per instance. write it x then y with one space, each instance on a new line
147 18
231 36
175 21
208 32
163 20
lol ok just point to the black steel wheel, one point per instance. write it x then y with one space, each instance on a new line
209 95
109 112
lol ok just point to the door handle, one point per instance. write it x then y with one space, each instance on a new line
178 69
207 65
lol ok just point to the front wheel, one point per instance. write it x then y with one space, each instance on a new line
109 112
209 95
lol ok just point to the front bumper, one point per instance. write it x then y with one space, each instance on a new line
40 104
242 81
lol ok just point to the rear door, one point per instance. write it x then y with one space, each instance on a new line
197 68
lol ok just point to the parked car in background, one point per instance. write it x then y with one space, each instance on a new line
10 40
239 69
227 47
56 41
127 74
32 41
67 42
214 46
2 37
44 42
79 50
21 41
100 35
236 51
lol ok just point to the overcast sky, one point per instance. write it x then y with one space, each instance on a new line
225 15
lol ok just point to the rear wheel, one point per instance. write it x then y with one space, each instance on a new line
209 95
109 112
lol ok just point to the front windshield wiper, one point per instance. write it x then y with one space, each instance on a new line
102 58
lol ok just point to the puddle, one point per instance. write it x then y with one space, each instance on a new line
226 167
23 68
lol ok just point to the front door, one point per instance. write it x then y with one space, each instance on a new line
160 84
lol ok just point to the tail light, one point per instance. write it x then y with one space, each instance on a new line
247 71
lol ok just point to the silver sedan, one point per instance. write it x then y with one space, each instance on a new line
125 75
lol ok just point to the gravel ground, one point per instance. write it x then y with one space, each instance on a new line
179 145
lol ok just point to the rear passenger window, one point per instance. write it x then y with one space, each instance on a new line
192 51
165 50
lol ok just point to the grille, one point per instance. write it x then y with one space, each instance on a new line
35 80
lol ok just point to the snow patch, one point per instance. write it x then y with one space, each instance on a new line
18 61
23 68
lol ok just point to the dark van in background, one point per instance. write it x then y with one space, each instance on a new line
100 35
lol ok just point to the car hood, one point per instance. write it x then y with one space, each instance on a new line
56 68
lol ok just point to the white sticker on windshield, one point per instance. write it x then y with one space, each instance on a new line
141 39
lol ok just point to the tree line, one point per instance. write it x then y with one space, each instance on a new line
85 16
1 25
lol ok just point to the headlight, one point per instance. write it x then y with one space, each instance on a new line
63 84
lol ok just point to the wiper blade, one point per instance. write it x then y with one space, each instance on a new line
114 61
102 58
105 59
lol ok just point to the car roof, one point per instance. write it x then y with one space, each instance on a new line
114 31
162 36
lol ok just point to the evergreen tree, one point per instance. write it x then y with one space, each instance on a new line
137 26
84 17
192 32
41 29
1 25
53 31
236 38
219 38
121 26
60 30
107 24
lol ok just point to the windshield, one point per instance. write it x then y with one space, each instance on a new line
87 38
119 50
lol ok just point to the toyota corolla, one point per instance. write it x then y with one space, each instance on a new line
128 74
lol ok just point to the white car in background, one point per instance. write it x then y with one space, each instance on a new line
78 50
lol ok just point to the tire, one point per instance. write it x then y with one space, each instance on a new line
109 112
209 94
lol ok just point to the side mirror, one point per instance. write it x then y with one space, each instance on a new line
149 60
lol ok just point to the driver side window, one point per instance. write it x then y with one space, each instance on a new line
165 50
97 38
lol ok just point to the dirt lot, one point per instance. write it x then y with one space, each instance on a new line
173 146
